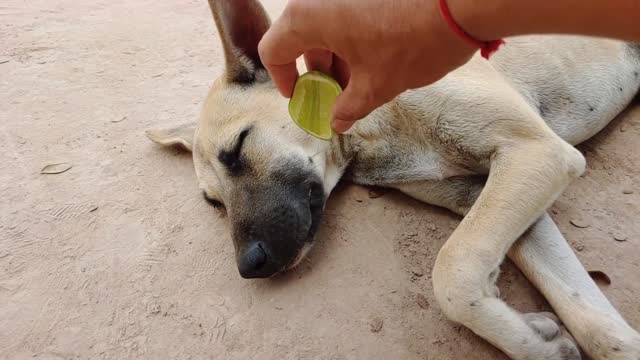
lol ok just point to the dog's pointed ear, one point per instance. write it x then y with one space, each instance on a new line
241 25
181 136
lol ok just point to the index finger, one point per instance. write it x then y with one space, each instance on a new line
279 49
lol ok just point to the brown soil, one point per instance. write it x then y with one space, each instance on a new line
119 257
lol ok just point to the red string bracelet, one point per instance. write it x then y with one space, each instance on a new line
487 48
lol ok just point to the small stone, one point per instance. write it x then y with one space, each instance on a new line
624 128
376 325
627 191
155 309
580 223
618 236
431 226
580 247
83 269
422 301
417 271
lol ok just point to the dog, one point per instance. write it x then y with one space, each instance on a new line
493 141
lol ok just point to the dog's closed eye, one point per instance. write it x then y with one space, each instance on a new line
213 202
232 159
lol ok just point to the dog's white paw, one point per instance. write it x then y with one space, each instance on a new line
554 344
614 340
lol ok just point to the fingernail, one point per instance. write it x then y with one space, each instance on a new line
341 125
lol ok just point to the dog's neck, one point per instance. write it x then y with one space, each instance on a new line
345 147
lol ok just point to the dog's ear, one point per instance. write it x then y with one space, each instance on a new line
181 136
241 25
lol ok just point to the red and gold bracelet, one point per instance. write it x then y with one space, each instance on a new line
487 48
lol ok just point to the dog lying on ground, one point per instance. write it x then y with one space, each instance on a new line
493 141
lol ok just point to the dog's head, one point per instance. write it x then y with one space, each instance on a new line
251 160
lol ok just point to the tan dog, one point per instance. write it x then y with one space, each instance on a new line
492 141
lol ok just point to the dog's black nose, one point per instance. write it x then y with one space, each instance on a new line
254 262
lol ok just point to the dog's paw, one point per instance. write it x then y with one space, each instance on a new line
613 340
555 344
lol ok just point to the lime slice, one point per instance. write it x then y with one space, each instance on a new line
312 102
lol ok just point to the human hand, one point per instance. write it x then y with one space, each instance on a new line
375 49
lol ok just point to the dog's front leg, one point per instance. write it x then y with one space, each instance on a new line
544 256
525 178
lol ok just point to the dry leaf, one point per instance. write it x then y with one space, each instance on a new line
56 168
580 224
375 193
600 277
376 325
422 301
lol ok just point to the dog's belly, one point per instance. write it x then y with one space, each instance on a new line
385 165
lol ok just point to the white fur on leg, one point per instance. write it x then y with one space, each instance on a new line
546 259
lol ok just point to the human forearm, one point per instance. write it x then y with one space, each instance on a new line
492 19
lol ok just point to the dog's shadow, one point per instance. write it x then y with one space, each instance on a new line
342 222
590 148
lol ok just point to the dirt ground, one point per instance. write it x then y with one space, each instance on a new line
120 257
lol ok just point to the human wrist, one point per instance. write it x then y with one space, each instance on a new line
483 20
488 20
441 29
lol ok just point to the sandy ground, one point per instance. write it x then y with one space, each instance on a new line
120 257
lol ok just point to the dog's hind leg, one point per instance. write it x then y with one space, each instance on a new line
547 260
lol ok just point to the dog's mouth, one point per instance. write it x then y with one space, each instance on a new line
280 234
316 207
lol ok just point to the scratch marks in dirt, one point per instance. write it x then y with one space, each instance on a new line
68 211
154 253
12 239
26 237
208 322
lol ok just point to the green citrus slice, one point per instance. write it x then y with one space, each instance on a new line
312 102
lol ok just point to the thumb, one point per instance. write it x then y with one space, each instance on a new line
356 101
